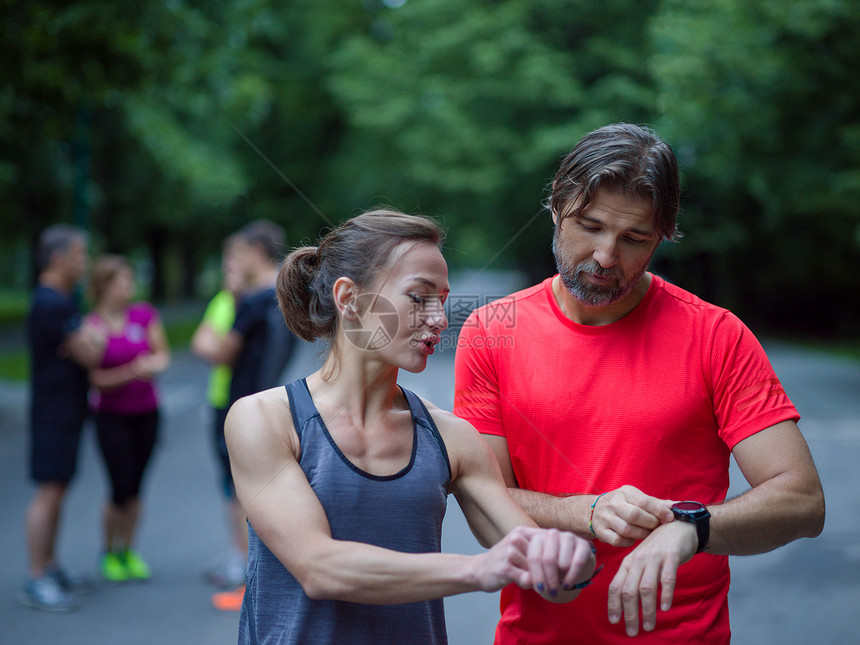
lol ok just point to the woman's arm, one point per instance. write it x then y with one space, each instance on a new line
288 517
158 358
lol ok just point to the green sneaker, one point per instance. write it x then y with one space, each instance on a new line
113 568
136 568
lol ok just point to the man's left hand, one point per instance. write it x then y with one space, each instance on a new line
651 565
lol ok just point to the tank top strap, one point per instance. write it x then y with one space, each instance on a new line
301 404
421 417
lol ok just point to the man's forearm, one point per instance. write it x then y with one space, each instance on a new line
763 519
569 513
786 501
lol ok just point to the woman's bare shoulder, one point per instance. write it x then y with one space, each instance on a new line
262 420
447 422
462 441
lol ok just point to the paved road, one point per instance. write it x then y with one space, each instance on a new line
806 592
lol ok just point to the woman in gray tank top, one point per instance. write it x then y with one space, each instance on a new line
344 475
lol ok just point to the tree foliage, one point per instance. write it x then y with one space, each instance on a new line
466 117
163 126
761 103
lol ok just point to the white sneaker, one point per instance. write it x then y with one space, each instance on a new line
228 572
45 593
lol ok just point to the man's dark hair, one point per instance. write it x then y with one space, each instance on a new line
620 157
266 235
57 237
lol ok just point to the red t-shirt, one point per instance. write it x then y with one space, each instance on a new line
656 400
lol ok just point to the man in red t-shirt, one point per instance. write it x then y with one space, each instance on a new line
613 400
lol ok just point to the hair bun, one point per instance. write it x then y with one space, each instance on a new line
297 295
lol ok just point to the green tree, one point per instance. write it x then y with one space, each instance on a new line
118 117
762 101
462 109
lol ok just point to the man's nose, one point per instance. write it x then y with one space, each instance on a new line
606 253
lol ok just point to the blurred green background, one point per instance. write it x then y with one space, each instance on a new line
163 126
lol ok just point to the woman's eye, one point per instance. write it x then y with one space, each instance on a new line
418 300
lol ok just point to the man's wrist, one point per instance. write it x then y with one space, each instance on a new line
697 514
591 514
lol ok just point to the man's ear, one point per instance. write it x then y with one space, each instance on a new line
345 293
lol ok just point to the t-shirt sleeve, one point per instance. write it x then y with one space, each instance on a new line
477 397
212 309
220 311
53 321
143 313
748 396
248 313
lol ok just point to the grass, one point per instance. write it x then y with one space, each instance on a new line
14 364
179 332
13 305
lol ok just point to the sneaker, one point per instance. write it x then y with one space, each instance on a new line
76 585
45 593
228 573
229 600
135 567
113 568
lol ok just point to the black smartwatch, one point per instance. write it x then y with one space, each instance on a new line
697 514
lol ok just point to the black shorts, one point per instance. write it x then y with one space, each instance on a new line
54 449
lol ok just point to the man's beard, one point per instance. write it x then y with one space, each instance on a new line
588 293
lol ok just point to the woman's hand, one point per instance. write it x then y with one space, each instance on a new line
547 560
145 366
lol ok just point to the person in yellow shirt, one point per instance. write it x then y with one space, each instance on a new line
228 572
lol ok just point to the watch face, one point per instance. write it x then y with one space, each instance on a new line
688 506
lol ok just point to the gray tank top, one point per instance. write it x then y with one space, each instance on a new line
402 512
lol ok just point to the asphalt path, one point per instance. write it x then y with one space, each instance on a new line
806 592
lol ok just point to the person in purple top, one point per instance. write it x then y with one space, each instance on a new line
125 402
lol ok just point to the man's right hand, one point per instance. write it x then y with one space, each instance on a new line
625 515
85 345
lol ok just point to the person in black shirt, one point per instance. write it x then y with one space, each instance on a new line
60 350
257 348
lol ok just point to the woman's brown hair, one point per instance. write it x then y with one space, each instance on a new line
103 272
357 249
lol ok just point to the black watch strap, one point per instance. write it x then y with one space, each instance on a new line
703 530
695 513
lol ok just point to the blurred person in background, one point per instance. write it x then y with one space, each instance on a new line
125 402
61 349
229 571
258 346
